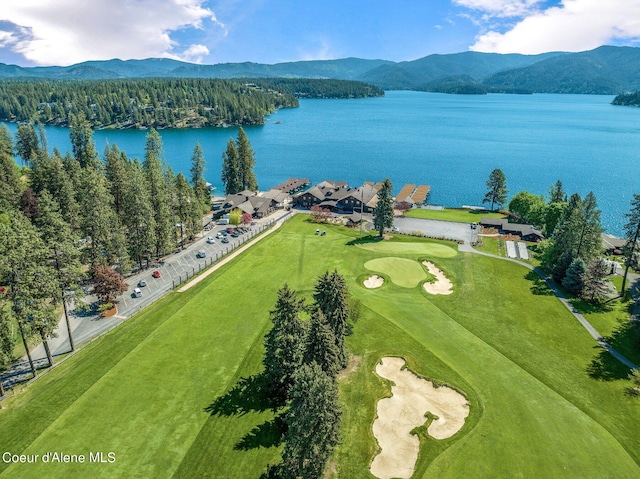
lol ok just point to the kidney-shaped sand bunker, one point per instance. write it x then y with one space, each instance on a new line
412 397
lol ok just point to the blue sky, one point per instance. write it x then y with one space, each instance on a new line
63 32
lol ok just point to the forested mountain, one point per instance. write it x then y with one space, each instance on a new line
605 70
417 74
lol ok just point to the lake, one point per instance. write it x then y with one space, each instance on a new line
451 142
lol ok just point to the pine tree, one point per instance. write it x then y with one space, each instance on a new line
7 341
116 172
574 278
383 212
26 271
285 342
10 187
197 178
65 254
331 297
557 194
321 345
595 288
632 235
139 221
231 175
497 185
313 421
26 143
187 208
247 162
160 198
81 135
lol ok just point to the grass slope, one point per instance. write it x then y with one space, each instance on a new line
452 214
161 391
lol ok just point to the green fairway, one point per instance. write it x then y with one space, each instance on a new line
452 214
413 248
158 391
403 272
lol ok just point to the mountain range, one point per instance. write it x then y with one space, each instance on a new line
606 70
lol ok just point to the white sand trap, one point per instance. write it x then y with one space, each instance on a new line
405 410
373 281
441 285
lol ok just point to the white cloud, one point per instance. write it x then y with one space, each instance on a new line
6 38
194 53
62 32
574 25
501 8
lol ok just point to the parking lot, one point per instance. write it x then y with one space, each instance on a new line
437 229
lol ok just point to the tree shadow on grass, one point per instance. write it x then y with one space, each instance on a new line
539 287
365 240
605 367
267 434
249 394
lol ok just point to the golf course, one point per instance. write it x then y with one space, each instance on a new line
172 392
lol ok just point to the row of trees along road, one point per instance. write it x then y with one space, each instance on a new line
301 363
62 217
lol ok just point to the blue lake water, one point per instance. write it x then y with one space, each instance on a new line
451 142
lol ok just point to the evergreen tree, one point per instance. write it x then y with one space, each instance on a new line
63 244
197 178
247 162
632 235
313 421
285 342
331 297
160 197
26 271
383 212
231 174
61 187
557 194
81 135
321 345
497 185
595 287
116 172
590 231
188 209
7 341
139 222
574 278
10 186
26 143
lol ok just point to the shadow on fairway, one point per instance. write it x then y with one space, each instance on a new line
605 367
539 287
267 434
249 394
365 240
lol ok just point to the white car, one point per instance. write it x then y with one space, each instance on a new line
210 240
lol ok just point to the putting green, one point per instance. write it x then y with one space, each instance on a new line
402 272
393 247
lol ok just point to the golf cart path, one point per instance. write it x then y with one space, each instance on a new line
467 248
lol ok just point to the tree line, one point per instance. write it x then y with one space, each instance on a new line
572 251
319 88
66 218
301 362
136 103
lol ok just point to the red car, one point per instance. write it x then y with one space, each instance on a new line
156 274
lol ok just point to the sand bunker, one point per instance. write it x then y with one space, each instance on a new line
412 397
373 281
441 285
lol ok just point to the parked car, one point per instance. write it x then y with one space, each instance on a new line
155 274
225 239
142 283
201 254
210 240
137 293
219 236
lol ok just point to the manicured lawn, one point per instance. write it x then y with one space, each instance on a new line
413 248
158 391
452 214
403 272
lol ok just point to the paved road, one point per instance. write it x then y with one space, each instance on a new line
173 269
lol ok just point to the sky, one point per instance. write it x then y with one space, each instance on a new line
65 32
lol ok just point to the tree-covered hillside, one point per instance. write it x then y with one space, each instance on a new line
629 99
314 88
158 103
